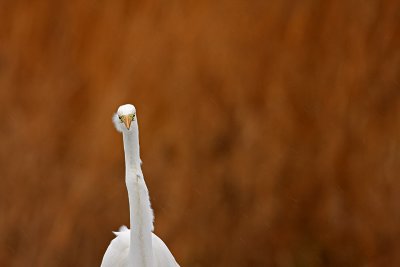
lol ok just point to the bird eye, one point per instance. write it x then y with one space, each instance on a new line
121 118
132 116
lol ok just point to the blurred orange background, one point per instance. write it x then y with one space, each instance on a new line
270 130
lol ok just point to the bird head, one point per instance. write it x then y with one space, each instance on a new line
125 116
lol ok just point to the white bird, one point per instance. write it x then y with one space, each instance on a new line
138 247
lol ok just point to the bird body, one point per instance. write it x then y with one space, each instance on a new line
138 247
117 254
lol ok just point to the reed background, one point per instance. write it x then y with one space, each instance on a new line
270 130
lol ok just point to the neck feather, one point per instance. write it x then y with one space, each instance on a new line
132 150
141 214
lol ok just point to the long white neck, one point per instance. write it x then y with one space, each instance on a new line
141 214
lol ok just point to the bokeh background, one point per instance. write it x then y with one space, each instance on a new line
270 130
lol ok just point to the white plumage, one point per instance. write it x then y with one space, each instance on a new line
138 247
118 251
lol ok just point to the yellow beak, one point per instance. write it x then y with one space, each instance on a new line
127 121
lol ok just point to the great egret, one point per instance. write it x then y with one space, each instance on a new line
138 247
